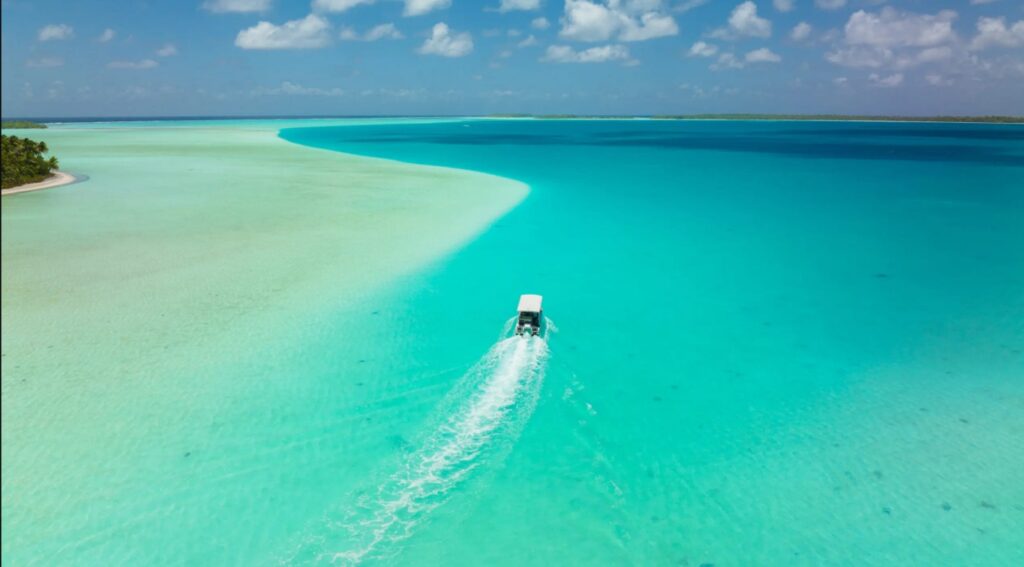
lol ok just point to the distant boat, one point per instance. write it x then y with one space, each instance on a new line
531 316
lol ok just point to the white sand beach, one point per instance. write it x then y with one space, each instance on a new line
56 180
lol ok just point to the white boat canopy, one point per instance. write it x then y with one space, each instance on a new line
529 303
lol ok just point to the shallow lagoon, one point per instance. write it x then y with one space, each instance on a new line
778 343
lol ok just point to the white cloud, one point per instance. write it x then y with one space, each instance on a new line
994 32
143 64
45 62
306 33
637 20
891 28
587 21
601 54
651 25
893 80
513 5
980 2
445 43
376 33
895 39
337 5
763 55
929 55
420 7
56 32
860 57
830 4
937 80
222 6
727 61
688 5
702 49
527 41
783 5
292 89
800 31
840 81
744 21
167 50
383 31
107 35
540 24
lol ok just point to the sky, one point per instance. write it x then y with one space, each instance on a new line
94 58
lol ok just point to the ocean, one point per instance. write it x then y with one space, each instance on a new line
769 343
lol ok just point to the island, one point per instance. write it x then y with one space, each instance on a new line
26 168
21 125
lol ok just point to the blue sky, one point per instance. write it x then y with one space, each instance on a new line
354 57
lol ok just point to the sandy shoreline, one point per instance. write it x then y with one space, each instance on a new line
56 180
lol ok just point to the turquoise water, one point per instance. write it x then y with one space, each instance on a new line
770 344
779 343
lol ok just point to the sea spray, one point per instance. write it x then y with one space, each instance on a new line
486 410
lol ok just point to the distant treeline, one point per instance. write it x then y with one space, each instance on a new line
21 124
22 161
843 117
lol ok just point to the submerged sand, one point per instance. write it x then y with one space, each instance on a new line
130 305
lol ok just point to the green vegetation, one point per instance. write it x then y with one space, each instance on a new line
20 124
842 117
22 161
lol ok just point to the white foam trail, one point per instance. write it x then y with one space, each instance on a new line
507 381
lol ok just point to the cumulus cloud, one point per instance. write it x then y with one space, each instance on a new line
337 5
727 61
238 6
702 49
995 32
601 54
445 43
376 33
56 32
513 5
874 58
744 22
528 41
830 4
639 20
763 55
893 80
937 80
167 50
383 31
895 39
107 35
800 31
859 57
292 89
143 64
307 33
540 24
891 27
783 5
420 7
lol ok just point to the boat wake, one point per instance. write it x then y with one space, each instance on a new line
491 403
